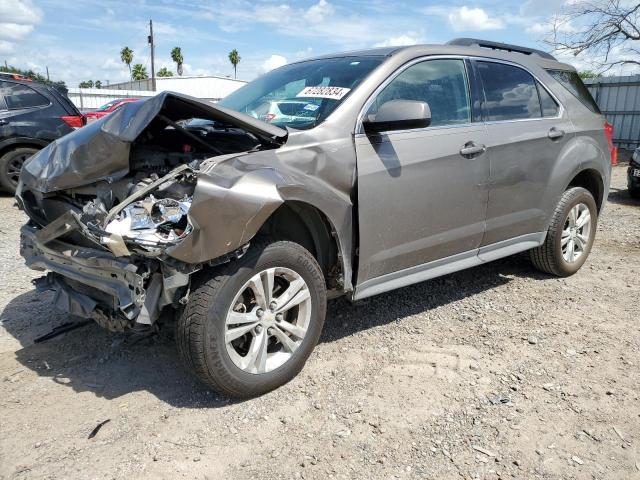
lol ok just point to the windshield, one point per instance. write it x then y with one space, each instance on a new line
301 95
106 106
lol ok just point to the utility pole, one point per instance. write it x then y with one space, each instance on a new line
153 68
48 74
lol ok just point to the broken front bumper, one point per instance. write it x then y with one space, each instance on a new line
88 282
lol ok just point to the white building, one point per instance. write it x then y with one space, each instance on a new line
208 88
211 87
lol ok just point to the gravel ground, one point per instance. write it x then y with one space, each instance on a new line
495 372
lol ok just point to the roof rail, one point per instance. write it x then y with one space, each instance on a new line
469 42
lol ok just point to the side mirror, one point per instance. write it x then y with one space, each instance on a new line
398 115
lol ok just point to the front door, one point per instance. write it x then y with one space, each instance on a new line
422 193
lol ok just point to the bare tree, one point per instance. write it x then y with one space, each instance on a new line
607 30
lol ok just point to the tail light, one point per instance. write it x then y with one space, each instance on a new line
269 116
74 121
613 151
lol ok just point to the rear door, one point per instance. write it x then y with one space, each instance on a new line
527 130
30 114
420 197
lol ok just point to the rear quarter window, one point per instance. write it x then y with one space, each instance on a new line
572 82
19 96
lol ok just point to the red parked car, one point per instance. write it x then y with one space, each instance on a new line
107 108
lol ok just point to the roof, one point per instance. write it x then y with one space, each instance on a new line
460 46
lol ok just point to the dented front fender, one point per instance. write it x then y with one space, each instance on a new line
235 196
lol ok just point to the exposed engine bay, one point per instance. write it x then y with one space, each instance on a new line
106 206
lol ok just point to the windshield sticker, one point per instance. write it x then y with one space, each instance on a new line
335 93
311 107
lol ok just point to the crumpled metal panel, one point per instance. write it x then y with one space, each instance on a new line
235 193
235 196
100 150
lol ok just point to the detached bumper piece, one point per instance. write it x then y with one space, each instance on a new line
87 282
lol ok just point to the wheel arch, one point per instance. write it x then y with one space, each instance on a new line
307 225
590 179
21 142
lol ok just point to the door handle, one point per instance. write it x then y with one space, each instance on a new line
555 133
470 150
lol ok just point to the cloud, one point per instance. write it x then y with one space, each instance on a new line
22 12
14 31
400 40
273 62
473 19
319 12
5 47
112 64
546 28
272 13
17 20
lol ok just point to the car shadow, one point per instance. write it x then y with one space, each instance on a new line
111 365
620 196
345 318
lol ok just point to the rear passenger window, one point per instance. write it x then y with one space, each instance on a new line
20 96
440 83
548 104
510 92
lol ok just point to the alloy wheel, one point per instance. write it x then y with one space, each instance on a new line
576 233
268 320
15 166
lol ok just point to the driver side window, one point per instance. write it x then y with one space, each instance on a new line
440 83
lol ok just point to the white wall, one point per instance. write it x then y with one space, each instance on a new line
209 88
91 98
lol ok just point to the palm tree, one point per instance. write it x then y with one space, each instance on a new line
126 55
176 56
165 72
139 72
234 58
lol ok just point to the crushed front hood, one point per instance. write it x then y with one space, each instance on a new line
100 150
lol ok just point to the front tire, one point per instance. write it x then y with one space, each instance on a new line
570 235
250 325
11 165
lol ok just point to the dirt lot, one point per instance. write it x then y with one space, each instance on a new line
496 372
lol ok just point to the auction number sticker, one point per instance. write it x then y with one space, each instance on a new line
335 93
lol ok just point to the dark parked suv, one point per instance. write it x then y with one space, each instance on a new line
32 115
402 164
633 174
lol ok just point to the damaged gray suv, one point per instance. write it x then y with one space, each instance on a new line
391 166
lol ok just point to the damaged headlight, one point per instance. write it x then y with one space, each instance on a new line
153 222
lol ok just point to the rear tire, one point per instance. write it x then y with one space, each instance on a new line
568 241
634 193
11 164
275 346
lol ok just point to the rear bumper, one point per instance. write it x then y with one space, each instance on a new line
84 278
